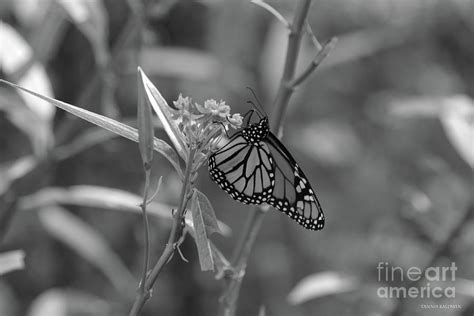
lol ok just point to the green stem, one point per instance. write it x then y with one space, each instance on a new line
228 300
176 231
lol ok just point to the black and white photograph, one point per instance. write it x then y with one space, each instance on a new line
236 158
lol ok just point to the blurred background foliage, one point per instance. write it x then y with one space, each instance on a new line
383 130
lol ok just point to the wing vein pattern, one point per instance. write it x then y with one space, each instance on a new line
254 167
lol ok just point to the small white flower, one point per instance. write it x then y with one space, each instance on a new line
236 120
201 125
182 102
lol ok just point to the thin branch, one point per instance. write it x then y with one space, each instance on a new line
173 239
228 300
273 11
243 249
233 281
315 41
294 43
442 250
158 186
320 56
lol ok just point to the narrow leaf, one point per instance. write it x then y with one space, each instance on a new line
221 263
202 241
109 124
92 196
11 260
101 197
89 138
208 214
145 126
321 284
162 109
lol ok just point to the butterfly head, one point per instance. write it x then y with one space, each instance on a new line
255 133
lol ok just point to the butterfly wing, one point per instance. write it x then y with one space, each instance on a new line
245 171
292 193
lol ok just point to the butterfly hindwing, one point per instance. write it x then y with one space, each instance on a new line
292 193
244 171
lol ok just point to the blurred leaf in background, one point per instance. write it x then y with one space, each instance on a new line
11 261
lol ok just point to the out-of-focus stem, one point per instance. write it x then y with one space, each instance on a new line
294 43
228 300
442 250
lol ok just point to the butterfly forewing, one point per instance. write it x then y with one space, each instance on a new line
244 171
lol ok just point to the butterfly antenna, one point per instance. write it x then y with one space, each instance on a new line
252 110
259 108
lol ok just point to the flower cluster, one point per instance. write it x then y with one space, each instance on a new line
203 125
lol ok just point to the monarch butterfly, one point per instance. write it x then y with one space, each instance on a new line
254 167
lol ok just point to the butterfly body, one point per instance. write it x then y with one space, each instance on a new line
254 134
254 167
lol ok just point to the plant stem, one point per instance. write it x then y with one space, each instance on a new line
228 300
320 56
175 234
294 43
146 229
